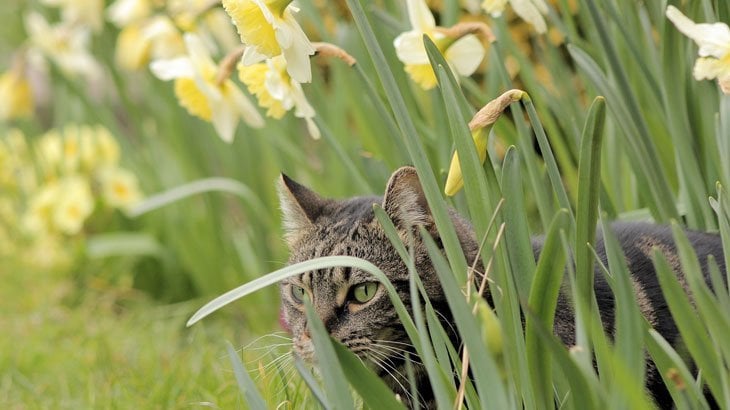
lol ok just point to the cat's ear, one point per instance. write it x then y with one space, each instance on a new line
300 206
404 201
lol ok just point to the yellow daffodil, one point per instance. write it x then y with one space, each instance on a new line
480 127
269 29
16 96
203 94
74 204
66 45
714 43
463 54
84 12
120 188
532 11
277 91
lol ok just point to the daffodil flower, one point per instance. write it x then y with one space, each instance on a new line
85 12
66 45
714 42
531 11
463 54
480 127
203 94
125 12
120 188
277 91
269 29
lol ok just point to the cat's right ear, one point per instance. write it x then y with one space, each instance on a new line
300 206
404 201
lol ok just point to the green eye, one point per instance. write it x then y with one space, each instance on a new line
364 291
298 293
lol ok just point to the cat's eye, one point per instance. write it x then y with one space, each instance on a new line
364 291
298 293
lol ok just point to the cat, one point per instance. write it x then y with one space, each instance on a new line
356 310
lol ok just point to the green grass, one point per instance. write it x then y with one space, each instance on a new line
107 329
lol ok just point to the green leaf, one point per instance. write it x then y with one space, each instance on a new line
542 303
333 376
123 243
693 331
589 183
245 384
373 391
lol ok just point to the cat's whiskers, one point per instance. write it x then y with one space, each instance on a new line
381 360
399 353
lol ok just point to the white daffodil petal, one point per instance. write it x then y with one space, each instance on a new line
465 55
224 121
420 16
251 56
713 39
410 49
541 6
283 34
247 110
166 70
199 55
709 68
312 128
297 56
530 13
303 108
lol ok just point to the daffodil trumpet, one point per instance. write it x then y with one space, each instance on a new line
480 125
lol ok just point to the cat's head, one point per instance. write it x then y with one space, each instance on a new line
353 306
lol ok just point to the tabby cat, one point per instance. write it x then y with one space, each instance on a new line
356 310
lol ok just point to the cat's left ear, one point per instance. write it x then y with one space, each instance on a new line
404 201
300 206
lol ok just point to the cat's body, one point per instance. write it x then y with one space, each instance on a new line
357 311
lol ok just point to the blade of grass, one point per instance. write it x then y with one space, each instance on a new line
245 384
542 303
333 376
373 391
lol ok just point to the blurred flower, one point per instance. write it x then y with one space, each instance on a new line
463 53
153 38
74 203
16 96
714 43
80 12
531 11
269 29
133 50
120 188
66 45
38 217
480 127
277 91
199 90
125 12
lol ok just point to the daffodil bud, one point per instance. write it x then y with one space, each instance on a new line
480 127
492 333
